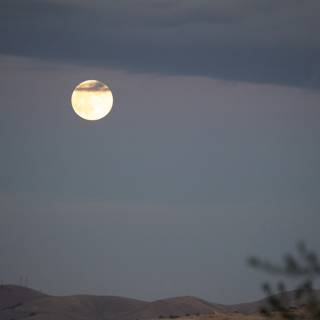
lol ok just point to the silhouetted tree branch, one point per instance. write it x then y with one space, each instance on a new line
304 267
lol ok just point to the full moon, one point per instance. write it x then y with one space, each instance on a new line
92 100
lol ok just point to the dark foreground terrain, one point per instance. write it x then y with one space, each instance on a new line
17 303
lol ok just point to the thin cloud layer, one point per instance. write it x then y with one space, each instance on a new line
238 40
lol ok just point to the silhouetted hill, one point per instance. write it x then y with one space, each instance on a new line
20 303
254 307
12 296
173 307
79 307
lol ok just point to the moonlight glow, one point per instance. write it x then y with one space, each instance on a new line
92 100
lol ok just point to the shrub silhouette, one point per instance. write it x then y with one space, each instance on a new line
304 267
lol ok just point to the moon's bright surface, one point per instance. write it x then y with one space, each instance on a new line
92 100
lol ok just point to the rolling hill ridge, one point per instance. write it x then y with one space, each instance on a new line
17 303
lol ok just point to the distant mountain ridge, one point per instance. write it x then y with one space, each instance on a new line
17 303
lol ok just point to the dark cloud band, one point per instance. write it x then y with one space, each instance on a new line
265 42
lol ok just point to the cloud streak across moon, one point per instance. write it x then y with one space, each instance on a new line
92 86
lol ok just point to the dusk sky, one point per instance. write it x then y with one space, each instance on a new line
210 153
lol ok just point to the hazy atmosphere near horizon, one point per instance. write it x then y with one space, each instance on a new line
209 155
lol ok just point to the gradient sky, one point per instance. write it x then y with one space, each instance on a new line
211 153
